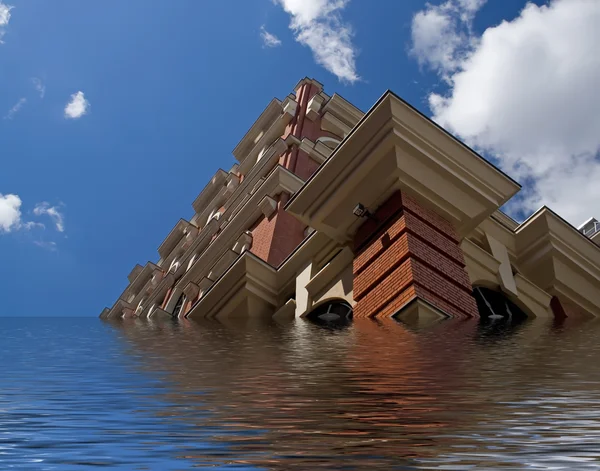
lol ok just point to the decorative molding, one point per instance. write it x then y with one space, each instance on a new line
233 182
191 291
204 286
419 314
243 243
396 148
559 259
308 81
343 110
505 271
249 282
222 264
286 312
329 271
216 182
310 148
159 313
266 118
268 206
314 106
134 272
332 124
481 266
533 297
174 237
290 106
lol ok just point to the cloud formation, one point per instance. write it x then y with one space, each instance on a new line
53 212
15 109
442 34
46 245
10 213
4 19
318 25
77 107
39 86
524 93
269 40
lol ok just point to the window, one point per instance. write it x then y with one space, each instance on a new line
179 306
496 310
336 313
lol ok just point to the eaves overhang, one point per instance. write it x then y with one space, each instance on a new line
279 180
145 274
561 260
206 195
266 118
174 237
396 147
248 280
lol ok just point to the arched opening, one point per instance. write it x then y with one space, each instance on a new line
330 142
336 313
179 306
498 314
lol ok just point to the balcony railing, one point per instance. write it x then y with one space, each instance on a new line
592 230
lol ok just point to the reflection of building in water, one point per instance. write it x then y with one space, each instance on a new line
297 396
384 211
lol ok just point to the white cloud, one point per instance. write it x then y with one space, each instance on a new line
46 245
39 86
441 34
32 225
15 109
318 25
11 216
52 211
77 107
526 92
4 18
269 40
10 213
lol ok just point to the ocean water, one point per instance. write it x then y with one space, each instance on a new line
79 394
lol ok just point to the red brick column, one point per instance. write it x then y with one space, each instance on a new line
276 237
406 252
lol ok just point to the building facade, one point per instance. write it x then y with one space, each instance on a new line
332 214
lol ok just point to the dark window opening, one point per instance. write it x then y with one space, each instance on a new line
497 313
333 314
179 306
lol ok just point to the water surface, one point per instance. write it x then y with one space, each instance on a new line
82 394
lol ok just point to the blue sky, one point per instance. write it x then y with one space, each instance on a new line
114 114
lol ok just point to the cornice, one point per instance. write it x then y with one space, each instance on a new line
394 147
249 277
174 237
344 110
279 180
270 135
559 259
270 113
209 190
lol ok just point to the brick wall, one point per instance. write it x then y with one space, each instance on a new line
276 237
405 252
262 236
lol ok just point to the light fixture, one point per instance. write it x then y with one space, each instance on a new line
360 211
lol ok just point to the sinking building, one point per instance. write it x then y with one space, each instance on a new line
332 214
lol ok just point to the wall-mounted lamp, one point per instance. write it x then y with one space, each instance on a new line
361 212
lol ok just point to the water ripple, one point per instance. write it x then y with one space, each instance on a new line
80 394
